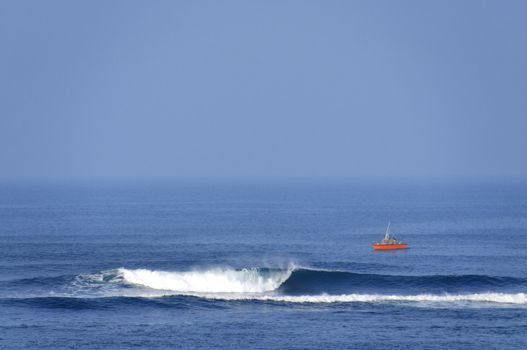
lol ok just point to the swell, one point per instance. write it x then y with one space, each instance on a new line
295 285
301 281
306 281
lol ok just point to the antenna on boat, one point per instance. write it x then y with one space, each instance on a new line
387 234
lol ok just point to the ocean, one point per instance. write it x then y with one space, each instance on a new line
262 265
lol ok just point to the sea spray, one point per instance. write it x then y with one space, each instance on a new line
215 280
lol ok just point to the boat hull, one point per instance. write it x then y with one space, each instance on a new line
389 246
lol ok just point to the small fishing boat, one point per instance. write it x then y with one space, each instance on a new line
389 242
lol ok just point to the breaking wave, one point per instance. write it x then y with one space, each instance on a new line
217 280
301 281
288 285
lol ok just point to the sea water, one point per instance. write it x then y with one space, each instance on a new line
262 265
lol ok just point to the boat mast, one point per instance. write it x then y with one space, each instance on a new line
387 234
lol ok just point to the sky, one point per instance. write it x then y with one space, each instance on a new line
263 89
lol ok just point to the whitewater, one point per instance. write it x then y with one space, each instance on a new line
256 284
216 280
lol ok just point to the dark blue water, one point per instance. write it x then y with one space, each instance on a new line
262 265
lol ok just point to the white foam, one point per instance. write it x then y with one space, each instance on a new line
253 284
217 280
517 298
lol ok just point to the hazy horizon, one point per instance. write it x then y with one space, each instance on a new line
263 90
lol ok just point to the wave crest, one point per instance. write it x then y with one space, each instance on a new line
217 280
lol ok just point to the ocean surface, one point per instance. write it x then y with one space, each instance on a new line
262 265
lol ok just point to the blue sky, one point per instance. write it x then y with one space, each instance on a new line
252 89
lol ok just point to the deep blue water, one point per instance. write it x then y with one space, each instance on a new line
262 265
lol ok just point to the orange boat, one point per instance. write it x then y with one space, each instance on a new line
389 242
